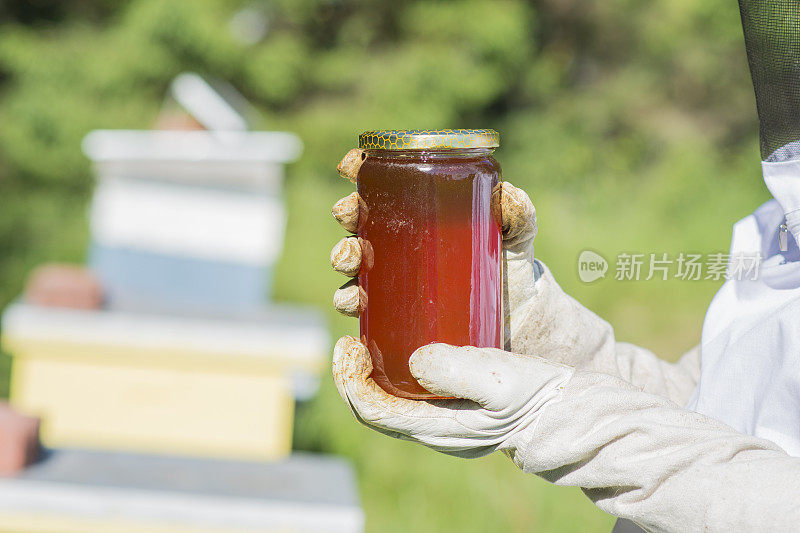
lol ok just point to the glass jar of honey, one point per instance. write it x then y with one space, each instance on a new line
431 247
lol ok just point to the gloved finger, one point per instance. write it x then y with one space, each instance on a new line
352 367
499 381
350 164
346 256
346 210
458 427
516 213
350 299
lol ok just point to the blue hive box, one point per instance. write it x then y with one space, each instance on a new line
188 217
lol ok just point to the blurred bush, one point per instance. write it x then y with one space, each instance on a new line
593 98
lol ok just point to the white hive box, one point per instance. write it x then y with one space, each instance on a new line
161 382
77 491
188 217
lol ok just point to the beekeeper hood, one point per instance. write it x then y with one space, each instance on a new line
751 335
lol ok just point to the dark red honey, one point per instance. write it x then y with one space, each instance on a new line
431 267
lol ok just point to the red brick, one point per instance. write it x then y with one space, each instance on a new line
59 285
19 440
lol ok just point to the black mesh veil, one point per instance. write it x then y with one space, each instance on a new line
772 37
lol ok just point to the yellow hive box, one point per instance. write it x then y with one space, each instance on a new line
214 387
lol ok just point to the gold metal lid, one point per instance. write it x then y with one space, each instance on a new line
428 139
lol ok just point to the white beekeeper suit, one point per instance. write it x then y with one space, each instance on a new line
751 334
571 404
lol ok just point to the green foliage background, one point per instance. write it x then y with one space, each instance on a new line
632 125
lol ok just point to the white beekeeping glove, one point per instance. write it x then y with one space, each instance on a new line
540 318
636 455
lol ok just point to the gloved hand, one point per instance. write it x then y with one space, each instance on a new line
540 319
502 395
636 455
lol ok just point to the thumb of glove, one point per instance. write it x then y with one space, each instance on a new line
499 381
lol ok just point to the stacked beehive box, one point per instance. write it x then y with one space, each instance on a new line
192 218
185 357
79 491
162 382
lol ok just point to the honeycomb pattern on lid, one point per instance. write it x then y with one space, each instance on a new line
428 139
